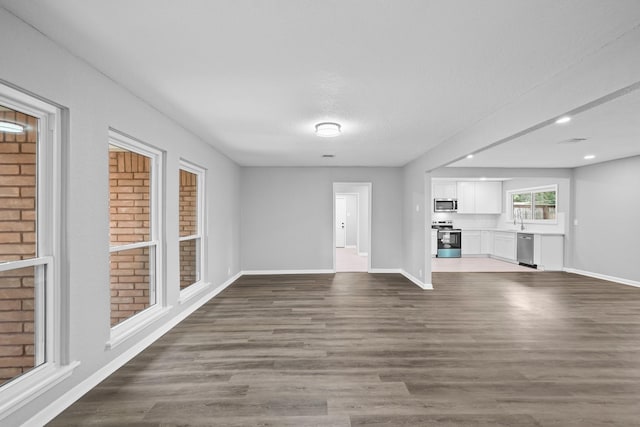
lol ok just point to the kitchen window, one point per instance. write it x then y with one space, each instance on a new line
191 228
533 204
135 252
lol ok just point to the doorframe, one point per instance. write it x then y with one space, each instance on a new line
368 187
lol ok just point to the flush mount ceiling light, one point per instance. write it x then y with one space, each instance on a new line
589 157
10 127
328 129
563 120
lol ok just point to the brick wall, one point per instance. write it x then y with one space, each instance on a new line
17 241
129 216
188 227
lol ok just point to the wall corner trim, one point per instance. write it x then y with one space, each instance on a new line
68 398
620 280
415 280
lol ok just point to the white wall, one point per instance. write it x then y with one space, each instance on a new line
287 217
607 207
95 103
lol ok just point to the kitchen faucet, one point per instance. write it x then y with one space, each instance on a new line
521 221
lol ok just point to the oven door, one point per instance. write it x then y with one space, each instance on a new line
449 244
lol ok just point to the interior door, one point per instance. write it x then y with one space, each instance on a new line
341 219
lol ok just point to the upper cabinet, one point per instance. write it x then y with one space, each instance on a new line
479 197
444 190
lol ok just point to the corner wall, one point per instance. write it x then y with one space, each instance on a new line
607 208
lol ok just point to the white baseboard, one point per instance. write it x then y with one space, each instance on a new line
64 401
412 278
386 270
603 277
415 280
274 272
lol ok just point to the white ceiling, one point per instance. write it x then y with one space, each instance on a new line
253 77
610 130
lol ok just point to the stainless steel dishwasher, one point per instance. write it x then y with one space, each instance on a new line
525 249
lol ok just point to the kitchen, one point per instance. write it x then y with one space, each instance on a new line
509 222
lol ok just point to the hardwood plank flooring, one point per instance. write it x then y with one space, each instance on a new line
354 349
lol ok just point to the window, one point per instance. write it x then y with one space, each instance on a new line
31 332
134 230
191 221
533 204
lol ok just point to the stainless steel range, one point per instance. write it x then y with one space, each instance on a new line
449 239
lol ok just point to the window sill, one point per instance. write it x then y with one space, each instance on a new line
23 390
192 290
125 330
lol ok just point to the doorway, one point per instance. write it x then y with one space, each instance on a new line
352 227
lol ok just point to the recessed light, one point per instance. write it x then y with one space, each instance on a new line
589 157
563 120
10 127
470 156
328 129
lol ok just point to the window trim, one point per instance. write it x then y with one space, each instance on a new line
50 247
532 190
127 328
196 287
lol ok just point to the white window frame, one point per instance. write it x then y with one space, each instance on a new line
195 288
509 201
52 308
127 328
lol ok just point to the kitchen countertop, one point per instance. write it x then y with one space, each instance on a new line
507 230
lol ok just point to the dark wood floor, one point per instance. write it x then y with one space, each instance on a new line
482 349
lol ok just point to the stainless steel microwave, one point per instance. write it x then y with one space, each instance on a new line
445 205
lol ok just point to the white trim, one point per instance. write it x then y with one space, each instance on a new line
129 246
416 281
274 272
192 237
620 280
350 246
68 398
52 376
385 270
134 324
191 291
369 187
31 262
363 254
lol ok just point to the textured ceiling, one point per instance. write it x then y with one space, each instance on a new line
253 77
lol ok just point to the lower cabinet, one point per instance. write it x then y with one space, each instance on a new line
504 245
486 240
471 242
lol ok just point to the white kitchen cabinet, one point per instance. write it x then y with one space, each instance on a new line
548 252
489 197
471 242
444 190
434 242
486 242
466 192
479 197
504 245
